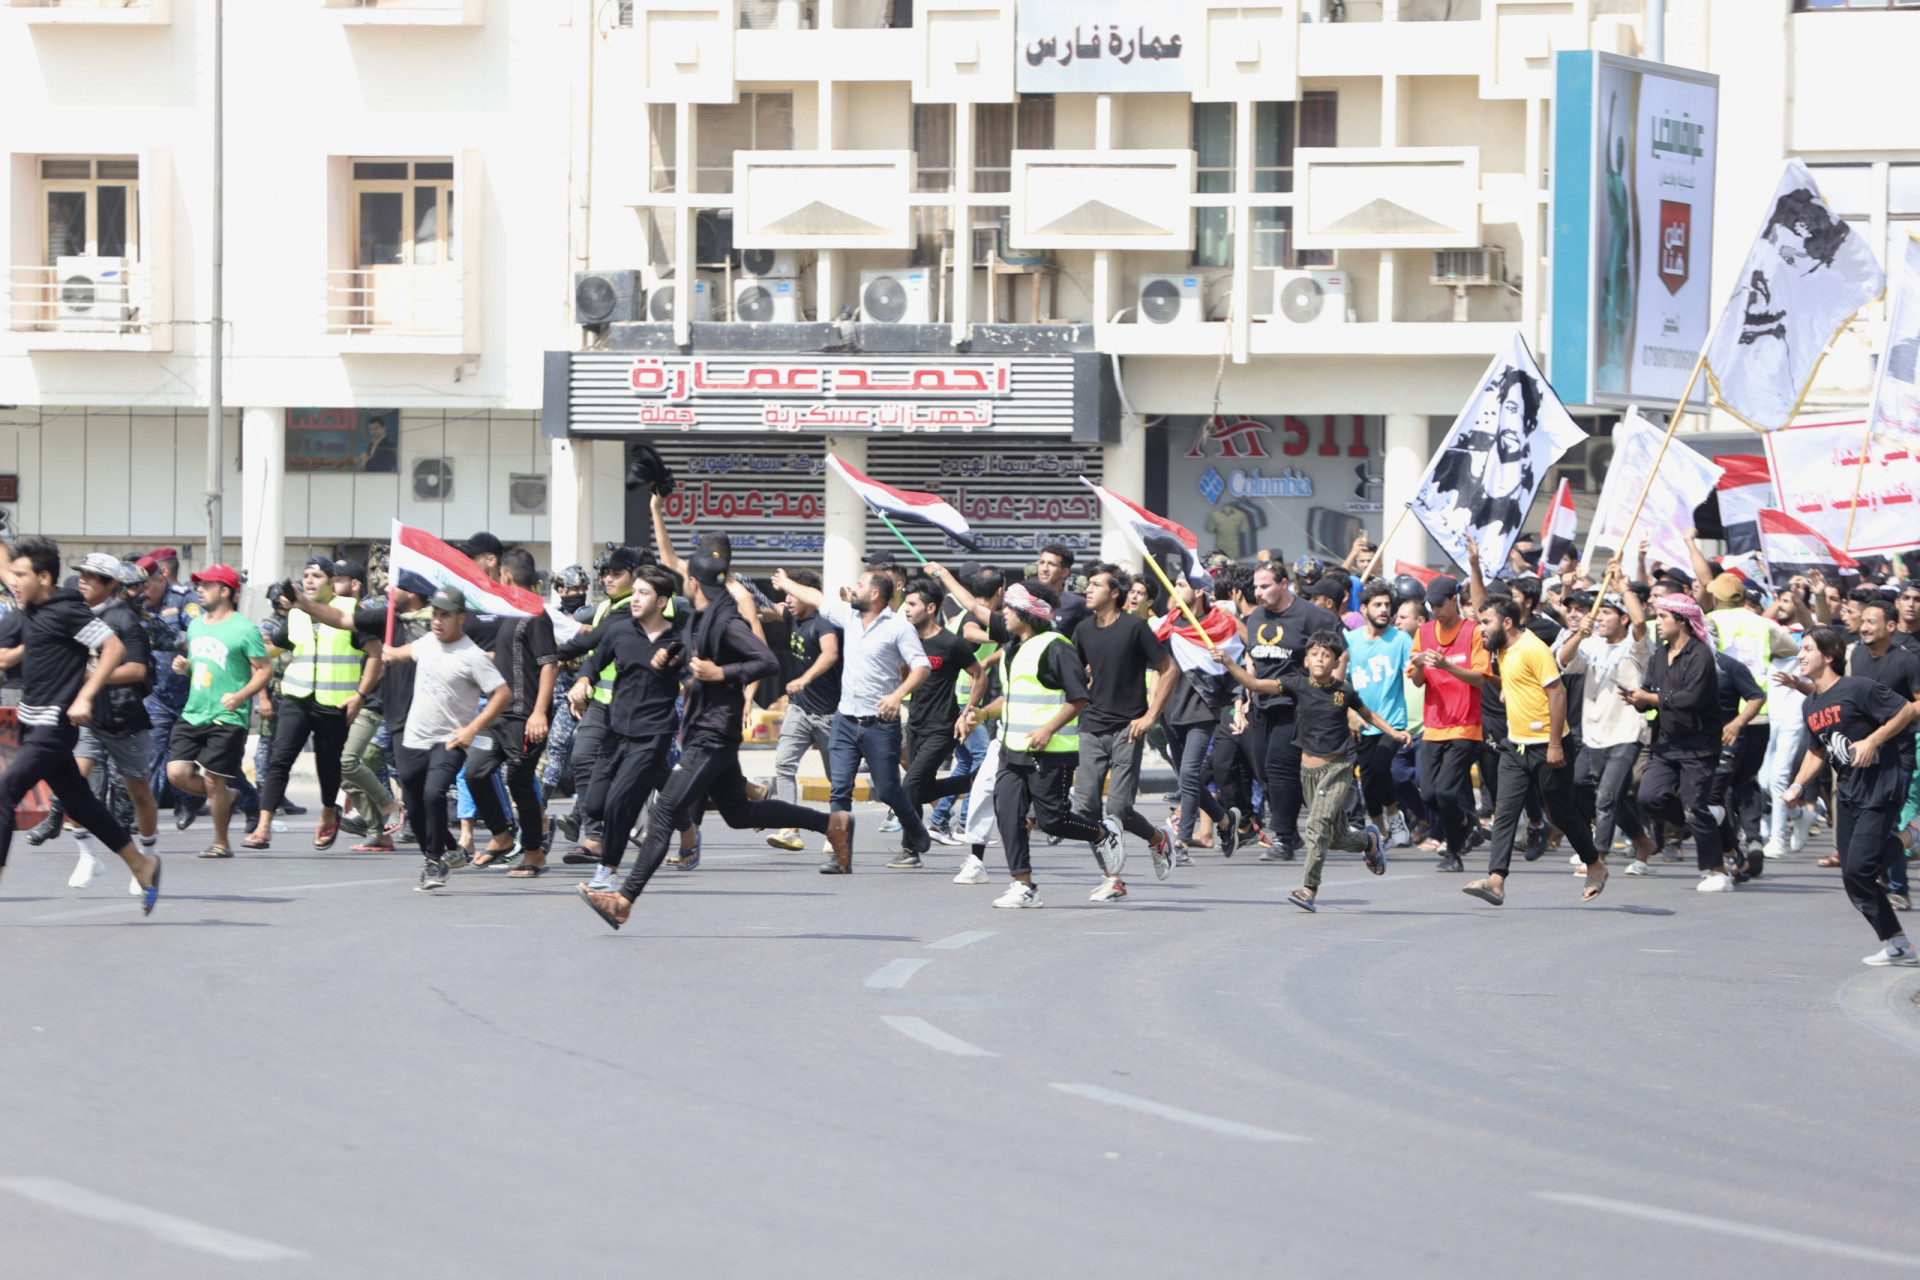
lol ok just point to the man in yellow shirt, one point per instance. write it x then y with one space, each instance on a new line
1532 755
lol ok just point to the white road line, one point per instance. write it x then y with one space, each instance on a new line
960 940
162 1226
893 974
934 1038
1673 1217
1165 1112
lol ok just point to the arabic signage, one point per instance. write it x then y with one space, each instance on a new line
611 393
1304 484
1633 167
343 440
1816 466
1115 46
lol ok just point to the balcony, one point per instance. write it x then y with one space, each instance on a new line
84 304
398 310
118 13
408 13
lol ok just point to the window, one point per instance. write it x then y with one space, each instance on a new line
403 213
1278 128
662 130
933 168
1000 129
89 208
758 122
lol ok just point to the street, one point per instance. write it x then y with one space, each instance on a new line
299 1063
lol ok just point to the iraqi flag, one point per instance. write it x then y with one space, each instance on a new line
1557 534
905 504
1744 488
1418 572
1190 651
1154 537
1791 547
417 551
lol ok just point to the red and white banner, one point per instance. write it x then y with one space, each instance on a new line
1790 546
1151 535
1745 486
1816 466
417 551
906 504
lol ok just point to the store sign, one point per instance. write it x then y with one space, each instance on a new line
1114 46
905 395
1303 484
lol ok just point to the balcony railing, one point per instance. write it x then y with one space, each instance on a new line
394 302
78 296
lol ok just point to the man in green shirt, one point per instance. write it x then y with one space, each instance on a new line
226 664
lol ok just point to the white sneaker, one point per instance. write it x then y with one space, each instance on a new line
972 871
1113 849
1774 851
1890 954
85 870
1637 868
1719 812
1018 895
602 880
1111 889
1574 861
133 886
1398 836
1799 827
1718 882
1162 849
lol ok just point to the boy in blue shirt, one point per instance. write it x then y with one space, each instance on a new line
1377 656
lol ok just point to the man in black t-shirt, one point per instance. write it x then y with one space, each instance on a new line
1277 634
813 695
121 731
1118 650
935 721
526 656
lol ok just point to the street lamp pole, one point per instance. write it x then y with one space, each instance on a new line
216 408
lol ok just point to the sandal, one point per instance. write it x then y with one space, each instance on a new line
324 837
1596 880
1302 898
373 847
1484 891
399 820
1831 860
487 857
257 842
528 871
217 851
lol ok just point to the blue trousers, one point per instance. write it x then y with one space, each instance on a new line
878 744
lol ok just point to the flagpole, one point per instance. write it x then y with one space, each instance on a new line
1673 424
896 533
1382 548
1161 574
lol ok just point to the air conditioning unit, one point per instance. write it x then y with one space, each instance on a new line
1307 297
433 480
767 300
1470 267
93 294
663 298
783 263
896 297
1180 299
606 297
526 495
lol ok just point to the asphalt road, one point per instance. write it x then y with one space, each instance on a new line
300 1066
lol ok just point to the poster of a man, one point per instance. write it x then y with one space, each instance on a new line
1618 273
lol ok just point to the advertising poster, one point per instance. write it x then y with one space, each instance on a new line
1305 484
343 440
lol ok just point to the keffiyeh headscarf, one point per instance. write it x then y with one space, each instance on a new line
1027 604
1688 611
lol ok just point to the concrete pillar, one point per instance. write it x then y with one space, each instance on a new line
570 503
846 550
1124 468
263 507
1406 451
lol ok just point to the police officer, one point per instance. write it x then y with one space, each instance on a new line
616 577
174 607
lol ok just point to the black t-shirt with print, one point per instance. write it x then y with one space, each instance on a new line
1899 670
821 697
1277 642
933 706
1849 712
1320 725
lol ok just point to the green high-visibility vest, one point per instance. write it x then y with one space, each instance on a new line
963 687
1749 638
325 666
603 679
1031 704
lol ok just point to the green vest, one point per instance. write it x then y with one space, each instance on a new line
325 666
603 679
963 687
1749 638
1031 704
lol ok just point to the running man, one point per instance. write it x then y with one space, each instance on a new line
226 664
121 732
1450 666
1377 657
1120 651
812 698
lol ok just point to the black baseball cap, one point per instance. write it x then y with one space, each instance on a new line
1327 588
351 569
1441 590
622 560
707 569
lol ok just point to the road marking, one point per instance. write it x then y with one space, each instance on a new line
934 1038
1231 1127
1673 1217
893 975
162 1226
960 940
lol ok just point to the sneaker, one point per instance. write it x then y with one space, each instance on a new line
1229 833
945 834
1799 827
1716 882
1281 850
1162 849
1181 858
1893 954
1053 841
353 824
1774 849
907 860
602 881
1900 901
1113 848
456 858
1536 842
1448 862
972 871
787 838
1111 889
1477 835
432 876
1018 895
891 825
85 870
1573 860
568 825
1638 868
48 828
1398 837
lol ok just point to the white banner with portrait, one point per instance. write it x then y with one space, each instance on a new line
1675 484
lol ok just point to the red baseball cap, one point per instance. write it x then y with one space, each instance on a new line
220 574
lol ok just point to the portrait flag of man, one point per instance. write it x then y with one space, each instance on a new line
1484 478
1675 480
1805 276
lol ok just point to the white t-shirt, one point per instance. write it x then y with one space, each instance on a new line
1605 721
449 684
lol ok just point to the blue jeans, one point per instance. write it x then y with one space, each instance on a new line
163 717
878 744
966 758
1188 745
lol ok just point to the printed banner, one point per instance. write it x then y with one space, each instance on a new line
1896 391
343 440
1684 481
1816 466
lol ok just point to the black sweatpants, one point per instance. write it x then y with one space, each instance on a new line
46 755
1375 762
627 774
298 719
1281 769
588 737
1736 785
1233 773
926 752
1043 789
1863 836
507 739
707 773
426 774
1523 772
1676 788
1446 785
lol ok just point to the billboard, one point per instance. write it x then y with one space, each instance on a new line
1632 215
343 440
